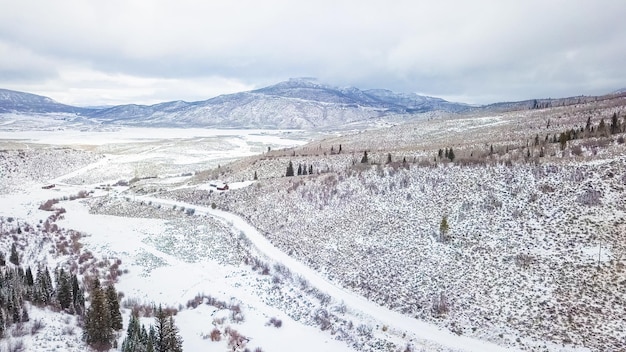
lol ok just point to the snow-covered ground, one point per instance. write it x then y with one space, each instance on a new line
350 257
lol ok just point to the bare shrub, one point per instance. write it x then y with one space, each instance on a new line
68 330
590 197
577 150
235 339
322 318
215 335
236 315
523 260
440 305
16 346
364 330
19 330
277 323
47 205
195 302
37 326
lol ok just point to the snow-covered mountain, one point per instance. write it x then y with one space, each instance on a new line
297 103
19 102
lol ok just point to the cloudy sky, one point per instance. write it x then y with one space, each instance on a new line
86 52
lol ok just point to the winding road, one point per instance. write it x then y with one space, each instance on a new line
422 331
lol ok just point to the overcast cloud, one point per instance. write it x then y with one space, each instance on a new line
86 52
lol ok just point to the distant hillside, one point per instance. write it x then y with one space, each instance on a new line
297 103
12 101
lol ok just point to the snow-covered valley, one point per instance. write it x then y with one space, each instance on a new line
351 256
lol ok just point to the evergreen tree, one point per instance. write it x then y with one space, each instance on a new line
166 335
299 170
64 289
160 330
14 257
133 340
440 153
615 127
311 169
3 260
43 287
151 340
173 341
388 158
78 296
98 331
364 159
2 323
29 280
114 308
289 169
451 154
601 128
588 125
255 176
563 138
25 317
339 148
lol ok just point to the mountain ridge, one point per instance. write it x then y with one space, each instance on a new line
297 103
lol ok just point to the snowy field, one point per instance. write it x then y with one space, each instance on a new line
349 258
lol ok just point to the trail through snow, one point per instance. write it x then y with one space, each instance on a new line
421 330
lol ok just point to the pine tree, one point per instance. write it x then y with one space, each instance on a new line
255 176
114 308
289 169
364 158
299 170
133 340
2 323
388 158
151 340
601 128
98 332
160 330
64 289
29 281
173 341
339 148
451 155
14 257
166 335
311 169
615 127
78 296
563 138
